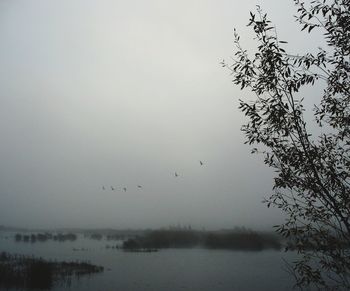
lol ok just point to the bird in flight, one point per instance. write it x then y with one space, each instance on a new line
176 174
124 189
103 188
139 186
112 188
201 163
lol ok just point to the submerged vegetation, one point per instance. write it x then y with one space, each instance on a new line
42 237
234 240
17 271
96 236
172 237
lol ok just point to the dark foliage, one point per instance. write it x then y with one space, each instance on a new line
96 236
35 273
312 183
39 275
247 240
42 237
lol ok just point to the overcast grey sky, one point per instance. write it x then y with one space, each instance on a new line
125 93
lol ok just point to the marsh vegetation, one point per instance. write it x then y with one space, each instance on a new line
246 240
42 237
182 260
25 272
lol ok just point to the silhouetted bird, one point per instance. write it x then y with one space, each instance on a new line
112 188
139 186
201 163
124 189
176 175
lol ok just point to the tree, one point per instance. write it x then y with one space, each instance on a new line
312 182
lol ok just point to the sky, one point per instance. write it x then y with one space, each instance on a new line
124 93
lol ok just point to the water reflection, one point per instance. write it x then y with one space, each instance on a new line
167 269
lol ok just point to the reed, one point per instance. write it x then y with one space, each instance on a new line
25 272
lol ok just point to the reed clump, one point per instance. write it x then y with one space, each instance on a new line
26 272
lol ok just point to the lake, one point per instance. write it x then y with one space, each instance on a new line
169 269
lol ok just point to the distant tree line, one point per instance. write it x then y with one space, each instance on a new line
246 240
42 237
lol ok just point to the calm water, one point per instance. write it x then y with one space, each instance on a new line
172 269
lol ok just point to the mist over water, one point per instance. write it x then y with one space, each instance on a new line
173 268
121 147
114 94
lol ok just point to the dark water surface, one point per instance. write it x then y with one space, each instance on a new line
171 269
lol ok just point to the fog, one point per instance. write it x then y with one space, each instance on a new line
124 93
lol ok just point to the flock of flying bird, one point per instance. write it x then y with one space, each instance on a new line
139 186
